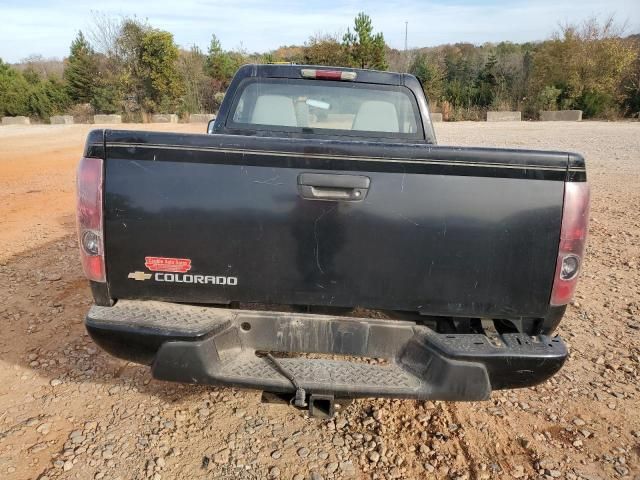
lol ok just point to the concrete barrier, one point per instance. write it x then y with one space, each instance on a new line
107 119
61 120
201 117
504 116
436 117
561 116
164 118
16 121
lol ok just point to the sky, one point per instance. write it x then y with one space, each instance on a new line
47 27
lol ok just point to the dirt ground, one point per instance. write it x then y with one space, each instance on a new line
68 410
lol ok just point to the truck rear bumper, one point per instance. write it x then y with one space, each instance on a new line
219 346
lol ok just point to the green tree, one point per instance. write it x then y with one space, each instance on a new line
81 70
48 97
14 92
548 98
124 68
430 74
158 64
366 49
221 65
107 98
463 64
486 83
30 95
111 87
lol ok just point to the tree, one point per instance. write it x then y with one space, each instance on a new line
46 68
104 33
630 88
107 98
325 49
365 49
222 65
289 53
81 71
587 63
486 83
14 92
198 93
512 72
30 96
48 97
430 74
159 72
124 67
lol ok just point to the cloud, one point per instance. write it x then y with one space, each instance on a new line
48 27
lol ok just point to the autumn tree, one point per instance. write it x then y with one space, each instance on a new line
630 87
326 49
46 68
586 63
289 53
365 49
199 93
513 75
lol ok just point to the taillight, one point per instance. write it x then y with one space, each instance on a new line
89 210
573 235
327 74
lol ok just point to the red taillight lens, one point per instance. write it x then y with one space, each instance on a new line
327 74
573 236
90 232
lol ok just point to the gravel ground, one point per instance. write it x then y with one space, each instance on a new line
67 410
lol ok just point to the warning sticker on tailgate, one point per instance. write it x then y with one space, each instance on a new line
166 264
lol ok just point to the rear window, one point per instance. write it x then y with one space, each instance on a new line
326 107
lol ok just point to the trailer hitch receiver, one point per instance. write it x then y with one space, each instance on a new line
321 406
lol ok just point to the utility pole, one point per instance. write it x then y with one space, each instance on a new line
406 29
406 55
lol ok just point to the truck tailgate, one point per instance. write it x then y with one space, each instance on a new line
440 230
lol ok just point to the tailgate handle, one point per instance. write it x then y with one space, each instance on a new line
336 187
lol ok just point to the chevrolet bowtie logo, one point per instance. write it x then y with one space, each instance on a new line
140 276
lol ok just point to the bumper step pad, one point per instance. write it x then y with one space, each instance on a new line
314 373
221 347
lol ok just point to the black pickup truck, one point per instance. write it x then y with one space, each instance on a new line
318 226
